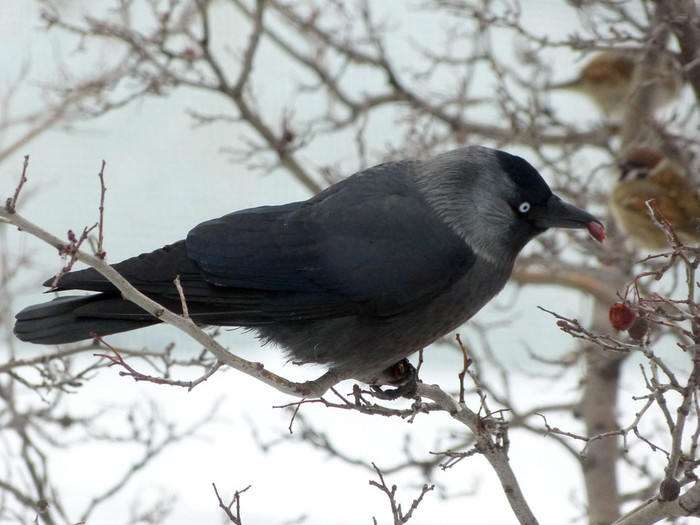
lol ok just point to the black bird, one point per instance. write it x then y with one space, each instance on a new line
357 278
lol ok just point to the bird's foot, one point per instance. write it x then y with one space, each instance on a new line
403 375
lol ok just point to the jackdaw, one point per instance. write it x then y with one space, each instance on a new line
356 278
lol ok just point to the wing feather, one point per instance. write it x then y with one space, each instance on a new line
375 247
369 246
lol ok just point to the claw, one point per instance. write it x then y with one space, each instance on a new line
402 374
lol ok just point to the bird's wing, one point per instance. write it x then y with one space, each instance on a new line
365 246
371 246
151 272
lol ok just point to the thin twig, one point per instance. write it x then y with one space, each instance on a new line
11 203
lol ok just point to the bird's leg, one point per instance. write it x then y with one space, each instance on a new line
403 374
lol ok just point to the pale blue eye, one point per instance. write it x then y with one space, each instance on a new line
524 207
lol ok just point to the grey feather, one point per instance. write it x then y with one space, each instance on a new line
358 277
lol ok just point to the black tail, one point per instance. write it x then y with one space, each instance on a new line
74 318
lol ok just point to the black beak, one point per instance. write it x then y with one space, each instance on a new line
559 214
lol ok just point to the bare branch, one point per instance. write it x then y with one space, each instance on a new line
234 517
396 511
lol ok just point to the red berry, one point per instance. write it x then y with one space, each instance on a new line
596 230
621 316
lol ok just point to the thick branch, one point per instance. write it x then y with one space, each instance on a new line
495 453
656 509
590 281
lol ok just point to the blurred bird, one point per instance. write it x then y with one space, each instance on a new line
645 175
607 80
365 273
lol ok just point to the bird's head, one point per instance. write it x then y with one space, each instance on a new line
638 163
497 201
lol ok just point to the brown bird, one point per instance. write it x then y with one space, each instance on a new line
646 174
607 79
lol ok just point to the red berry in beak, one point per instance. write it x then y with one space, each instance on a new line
596 230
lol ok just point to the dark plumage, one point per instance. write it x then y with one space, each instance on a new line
358 277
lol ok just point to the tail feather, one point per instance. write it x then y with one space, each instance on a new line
74 318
